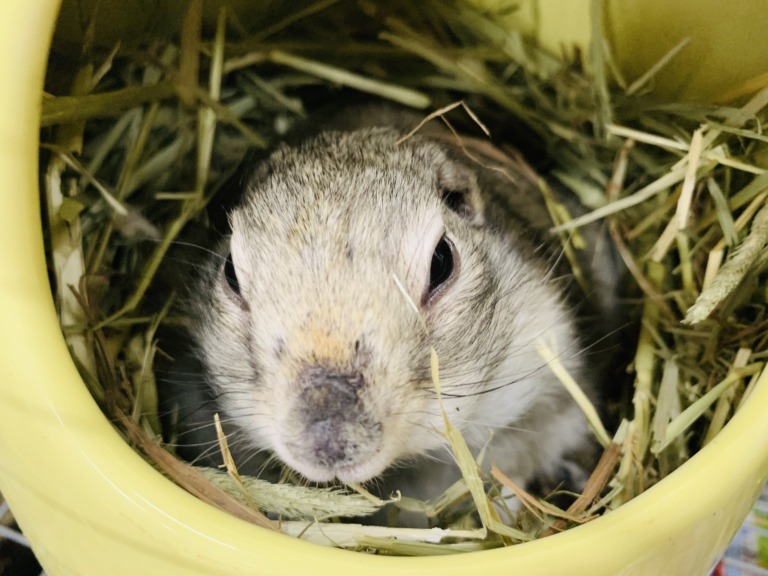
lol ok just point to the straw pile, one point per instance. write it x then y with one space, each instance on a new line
147 132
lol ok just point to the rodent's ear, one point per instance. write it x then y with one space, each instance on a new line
459 190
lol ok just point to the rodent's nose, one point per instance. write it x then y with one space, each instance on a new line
330 394
331 411
329 447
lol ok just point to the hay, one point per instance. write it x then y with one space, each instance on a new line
140 147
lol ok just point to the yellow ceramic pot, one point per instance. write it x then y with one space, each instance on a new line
91 506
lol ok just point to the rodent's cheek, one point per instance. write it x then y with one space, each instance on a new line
224 334
228 308
411 419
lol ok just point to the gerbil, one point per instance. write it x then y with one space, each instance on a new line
355 252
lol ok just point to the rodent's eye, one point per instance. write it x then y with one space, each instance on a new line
231 275
442 266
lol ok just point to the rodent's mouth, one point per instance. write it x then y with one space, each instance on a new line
360 472
366 469
351 474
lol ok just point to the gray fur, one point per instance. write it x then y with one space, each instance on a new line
322 360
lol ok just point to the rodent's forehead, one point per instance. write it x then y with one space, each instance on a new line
366 165
344 209
359 183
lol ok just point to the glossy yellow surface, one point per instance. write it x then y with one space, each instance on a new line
90 506
726 53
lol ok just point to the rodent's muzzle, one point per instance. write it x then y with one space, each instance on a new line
338 433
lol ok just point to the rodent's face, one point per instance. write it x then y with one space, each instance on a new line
350 258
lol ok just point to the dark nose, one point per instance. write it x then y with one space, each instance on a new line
331 406
330 393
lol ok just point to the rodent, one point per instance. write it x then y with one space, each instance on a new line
313 354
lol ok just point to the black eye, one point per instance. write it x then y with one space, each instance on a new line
442 264
231 275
